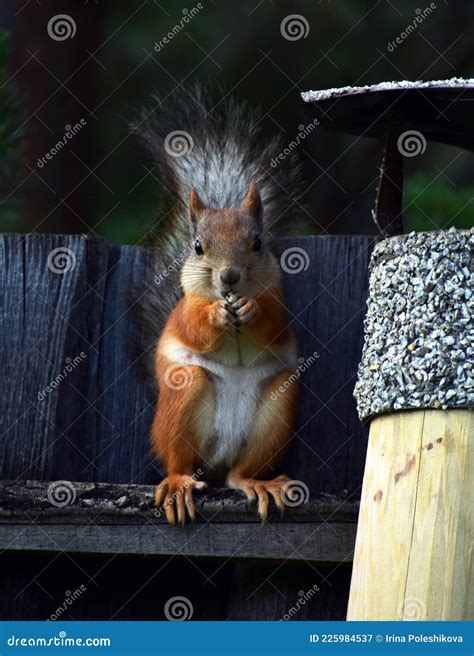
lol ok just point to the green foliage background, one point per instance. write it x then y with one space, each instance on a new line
11 142
240 47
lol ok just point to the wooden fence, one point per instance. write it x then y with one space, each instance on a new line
76 407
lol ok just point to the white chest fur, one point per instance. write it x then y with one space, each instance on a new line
237 389
236 397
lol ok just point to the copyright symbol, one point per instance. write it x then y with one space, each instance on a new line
379 638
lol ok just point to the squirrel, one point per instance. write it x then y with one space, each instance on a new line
223 341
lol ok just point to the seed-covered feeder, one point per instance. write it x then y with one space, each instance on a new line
415 381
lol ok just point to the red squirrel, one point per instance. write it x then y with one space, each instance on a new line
226 348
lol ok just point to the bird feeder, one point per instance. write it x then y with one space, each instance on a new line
415 380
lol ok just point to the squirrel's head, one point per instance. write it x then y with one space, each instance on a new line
229 250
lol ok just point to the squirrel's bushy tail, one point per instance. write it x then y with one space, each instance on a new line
204 139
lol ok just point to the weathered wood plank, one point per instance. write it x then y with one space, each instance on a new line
328 303
49 317
106 502
103 518
323 543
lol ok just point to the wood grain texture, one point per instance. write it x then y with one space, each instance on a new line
413 556
443 529
318 542
106 503
104 518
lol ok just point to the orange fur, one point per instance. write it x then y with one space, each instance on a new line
192 323
271 329
175 424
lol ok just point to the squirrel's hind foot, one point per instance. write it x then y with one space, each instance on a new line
259 489
174 495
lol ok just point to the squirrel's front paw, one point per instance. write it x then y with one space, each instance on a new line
247 310
223 314
177 490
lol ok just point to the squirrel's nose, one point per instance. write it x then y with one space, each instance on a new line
230 276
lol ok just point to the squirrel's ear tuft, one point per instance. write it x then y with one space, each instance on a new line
196 207
253 203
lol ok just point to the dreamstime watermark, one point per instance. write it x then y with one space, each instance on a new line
71 364
61 27
411 609
61 640
303 131
178 376
61 260
178 609
294 27
71 597
61 494
420 16
188 15
175 265
294 260
304 597
294 493
171 500
178 143
304 364
71 131
411 143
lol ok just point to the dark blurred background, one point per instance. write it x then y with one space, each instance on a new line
101 182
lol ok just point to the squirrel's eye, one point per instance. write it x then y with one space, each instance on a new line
257 244
198 247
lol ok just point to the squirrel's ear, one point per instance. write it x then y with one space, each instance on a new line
196 207
253 202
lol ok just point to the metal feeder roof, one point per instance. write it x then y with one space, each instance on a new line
441 110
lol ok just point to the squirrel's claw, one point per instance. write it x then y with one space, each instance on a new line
260 490
244 310
247 310
223 314
188 499
174 495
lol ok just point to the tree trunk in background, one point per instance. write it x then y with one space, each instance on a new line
58 190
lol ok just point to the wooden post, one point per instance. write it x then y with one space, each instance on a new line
415 530
415 533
